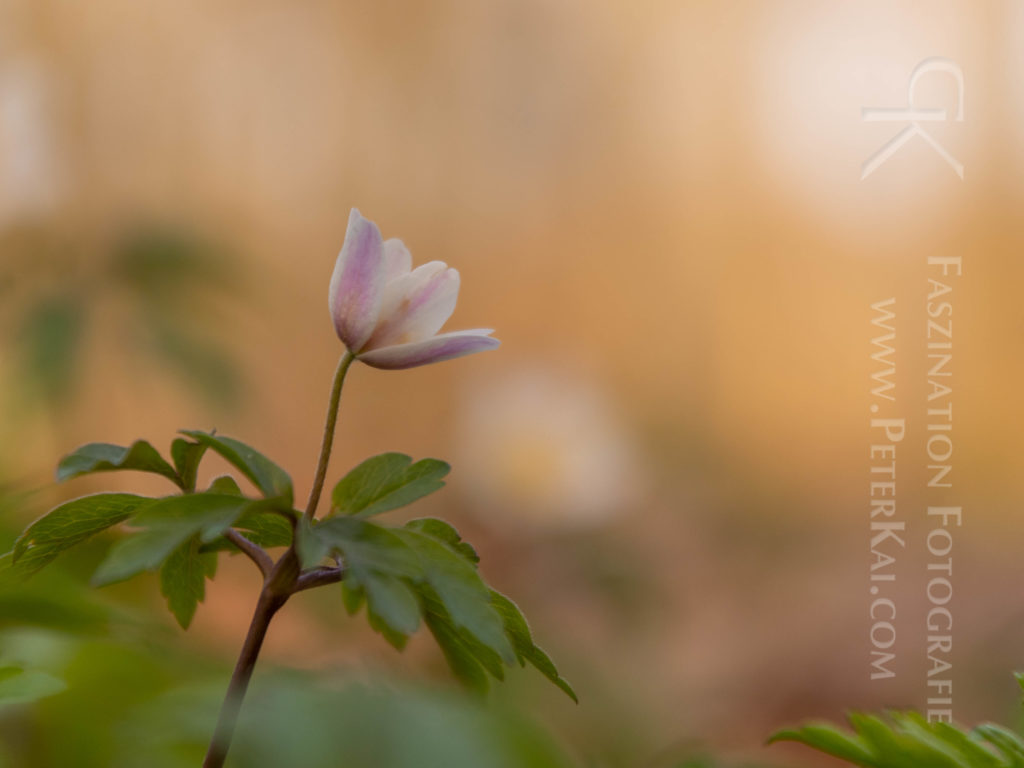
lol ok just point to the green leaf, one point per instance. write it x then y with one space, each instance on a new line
526 650
352 596
1007 742
225 484
19 686
364 546
167 524
830 740
390 601
272 481
268 529
436 614
186 456
446 533
377 563
105 457
69 524
462 661
461 590
183 579
387 482
50 346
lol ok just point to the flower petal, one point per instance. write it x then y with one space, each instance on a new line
443 347
416 305
397 259
357 282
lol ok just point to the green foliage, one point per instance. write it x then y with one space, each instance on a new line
166 285
522 640
67 525
183 579
166 525
423 571
273 482
386 482
50 344
186 456
18 686
420 573
908 740
104 457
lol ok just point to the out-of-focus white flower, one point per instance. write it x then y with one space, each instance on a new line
30 183
547 449
389 314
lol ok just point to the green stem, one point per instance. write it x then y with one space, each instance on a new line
281 581
325 448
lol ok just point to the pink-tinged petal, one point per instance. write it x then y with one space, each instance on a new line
416 305
357 282
434 350
397 259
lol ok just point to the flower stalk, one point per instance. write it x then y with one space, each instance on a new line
328 440
281 580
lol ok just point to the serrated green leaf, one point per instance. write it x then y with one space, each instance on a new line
352 596
365 548
166 524
392 602
461 590
183 579
376 564
387 482
445 533
518 631
105 457
267 529
463 663
69 524
435 611
186 456
272 481
19 686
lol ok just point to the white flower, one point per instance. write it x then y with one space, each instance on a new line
388 314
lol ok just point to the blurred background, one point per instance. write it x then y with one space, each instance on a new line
658 206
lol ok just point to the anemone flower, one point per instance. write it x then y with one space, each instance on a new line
388 314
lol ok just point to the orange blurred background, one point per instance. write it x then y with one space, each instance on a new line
658 206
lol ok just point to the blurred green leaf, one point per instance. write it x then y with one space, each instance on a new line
18 685
69 524
166 264
183 579
387 482
105 457
908 740
50 344
167 524
272 481
199 363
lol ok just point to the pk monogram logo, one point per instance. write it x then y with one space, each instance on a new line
915 116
